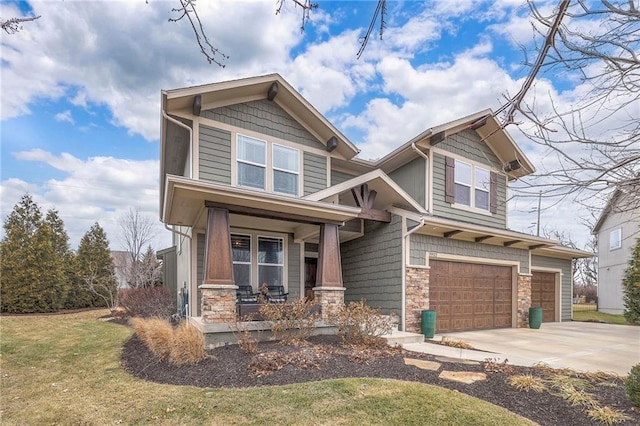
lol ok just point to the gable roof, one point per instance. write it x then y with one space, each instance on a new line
624 197
215 95
389 193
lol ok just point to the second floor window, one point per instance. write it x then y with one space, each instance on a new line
252 162
285 170
615 239
471 185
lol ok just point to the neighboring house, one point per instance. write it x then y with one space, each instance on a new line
259 187
617 230
121 262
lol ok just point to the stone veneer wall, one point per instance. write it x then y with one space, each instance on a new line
330 300
417 297
218 303
524 300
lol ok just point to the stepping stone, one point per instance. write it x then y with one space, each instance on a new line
422 364
457 360
467 377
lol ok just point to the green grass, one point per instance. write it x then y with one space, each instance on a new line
599 317
65 369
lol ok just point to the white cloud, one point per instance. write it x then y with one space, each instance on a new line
64 116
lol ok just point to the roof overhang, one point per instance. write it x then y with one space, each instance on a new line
185 200
389 194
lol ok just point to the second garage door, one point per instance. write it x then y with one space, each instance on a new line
543 294
468 296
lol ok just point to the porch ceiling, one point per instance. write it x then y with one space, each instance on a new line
185 201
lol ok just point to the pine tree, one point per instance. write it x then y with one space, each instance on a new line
95 270
32 271
631 286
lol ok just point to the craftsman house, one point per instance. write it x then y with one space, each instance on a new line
259 188
617 230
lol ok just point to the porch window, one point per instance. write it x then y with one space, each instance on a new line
270 261
241 252
252 162
285 170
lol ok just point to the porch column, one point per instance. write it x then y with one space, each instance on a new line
218 285
329 293
524 300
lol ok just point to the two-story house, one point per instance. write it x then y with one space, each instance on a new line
617 230
259 187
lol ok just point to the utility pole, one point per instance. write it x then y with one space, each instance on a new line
538 227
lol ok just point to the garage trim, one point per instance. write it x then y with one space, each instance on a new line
558 289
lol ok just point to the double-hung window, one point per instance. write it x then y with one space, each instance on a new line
252 162
285 170
270 261
241 253
472 185
482 185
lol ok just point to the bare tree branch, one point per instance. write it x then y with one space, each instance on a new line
13 25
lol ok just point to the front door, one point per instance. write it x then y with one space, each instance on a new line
310 271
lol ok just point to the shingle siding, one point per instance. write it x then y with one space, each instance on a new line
264 117
421 244
339 177
412 178
293 268
567 280
372 266
215 155
315 173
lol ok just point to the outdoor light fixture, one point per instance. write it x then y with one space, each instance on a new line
512 165
197 104
332 143
273 91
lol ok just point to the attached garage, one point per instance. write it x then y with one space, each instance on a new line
543 294
468 296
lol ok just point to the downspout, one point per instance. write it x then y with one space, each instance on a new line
190 130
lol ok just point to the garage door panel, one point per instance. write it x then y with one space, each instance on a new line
543 294
476 296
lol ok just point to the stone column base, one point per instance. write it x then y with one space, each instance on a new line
218 303
330 299
524 300
416 297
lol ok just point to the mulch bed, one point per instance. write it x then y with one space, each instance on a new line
325 358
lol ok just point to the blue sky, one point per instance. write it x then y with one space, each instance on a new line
81 88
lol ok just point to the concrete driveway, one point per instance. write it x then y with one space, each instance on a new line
582 346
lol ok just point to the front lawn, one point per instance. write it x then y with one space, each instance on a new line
65 369
594 316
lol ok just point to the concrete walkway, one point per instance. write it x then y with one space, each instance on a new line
581 346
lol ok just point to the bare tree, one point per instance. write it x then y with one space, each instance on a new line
137 231
100 285
13 25
595 142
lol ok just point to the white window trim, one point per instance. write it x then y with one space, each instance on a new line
619 246
269 143
258 264
250 254
254 254
297 173
472 189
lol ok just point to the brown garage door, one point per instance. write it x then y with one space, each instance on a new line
469 296
543 294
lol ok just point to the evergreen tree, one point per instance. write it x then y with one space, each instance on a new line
96 272
32 271
631 286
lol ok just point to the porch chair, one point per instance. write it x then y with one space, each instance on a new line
245 294
277 294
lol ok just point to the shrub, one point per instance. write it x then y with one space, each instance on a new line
187 345
290 322
247 342
527 382
632 385
147 302
181 345
359 324
631 286
607 416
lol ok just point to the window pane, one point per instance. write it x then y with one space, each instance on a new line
483 179
242 274
615 239
284 182
241 247
482 199
270 250
250 175
462 194
285 158
463 173
271 275
253 150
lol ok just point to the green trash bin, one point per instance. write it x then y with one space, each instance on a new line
429 323
535 317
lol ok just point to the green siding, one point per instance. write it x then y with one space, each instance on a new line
293 269
339 177
566 292
215 155
372 266
443 209
412 178
314 172
200 272
264 117
421 244
468 144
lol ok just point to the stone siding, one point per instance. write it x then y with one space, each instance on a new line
330 300
218 303
524 300
417 297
